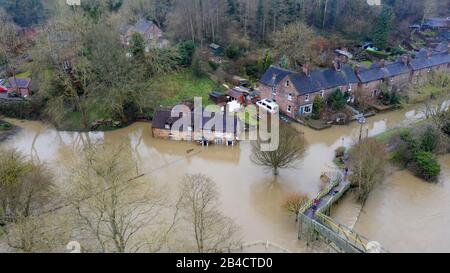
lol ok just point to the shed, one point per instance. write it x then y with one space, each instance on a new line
217 97
21 86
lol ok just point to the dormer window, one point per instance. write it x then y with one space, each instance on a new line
167 126
290 96
288 83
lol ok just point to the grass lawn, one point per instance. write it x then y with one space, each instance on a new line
181 86
25 74
386 136
4 126
368 64
425 92
73 121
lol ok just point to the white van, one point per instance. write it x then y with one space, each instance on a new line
269 105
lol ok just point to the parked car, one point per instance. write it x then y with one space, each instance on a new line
269 105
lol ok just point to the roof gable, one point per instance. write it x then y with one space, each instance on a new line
279 73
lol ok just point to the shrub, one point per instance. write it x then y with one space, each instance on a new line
340 152
337 100
23 109
294 203
426 166
233 51
186 51
429 140
318 105
4 125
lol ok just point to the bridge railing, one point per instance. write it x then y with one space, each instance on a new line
321 194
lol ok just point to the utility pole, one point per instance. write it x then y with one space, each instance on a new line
361 121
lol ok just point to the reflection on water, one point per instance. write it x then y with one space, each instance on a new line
249 194
408 214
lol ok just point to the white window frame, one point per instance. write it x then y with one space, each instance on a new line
290 97
287 83
322 94
307 97
289 109
306 107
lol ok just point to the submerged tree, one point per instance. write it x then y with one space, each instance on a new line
368 160
290 149
25 187
294 203
111 209
209 228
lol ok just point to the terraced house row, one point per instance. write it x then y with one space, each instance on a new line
295 91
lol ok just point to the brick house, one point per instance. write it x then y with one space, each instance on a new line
162 125
152 34
393 74
423 65
295 91
22 86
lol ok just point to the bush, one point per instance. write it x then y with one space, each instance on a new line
337 100
25 109
233 51
318 105
340 152
429 140
4 126
186 51
426 166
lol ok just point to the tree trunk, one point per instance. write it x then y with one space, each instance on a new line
324 14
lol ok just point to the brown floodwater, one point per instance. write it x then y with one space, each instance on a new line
252 196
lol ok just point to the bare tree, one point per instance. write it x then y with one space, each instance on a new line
368 161
38 234
294 203
293 42
119 214
25 187
210 229
291 149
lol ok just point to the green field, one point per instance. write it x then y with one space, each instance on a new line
181 86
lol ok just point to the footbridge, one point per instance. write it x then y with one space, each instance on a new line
315 223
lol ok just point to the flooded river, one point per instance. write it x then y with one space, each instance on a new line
404 214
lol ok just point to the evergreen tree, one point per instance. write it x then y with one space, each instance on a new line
382 28
260 19
24 12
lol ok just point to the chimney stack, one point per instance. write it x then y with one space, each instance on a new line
382 63
429 52
357 69
306 69
337 64
274 77
405 59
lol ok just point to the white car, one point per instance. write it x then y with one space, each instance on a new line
269 105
